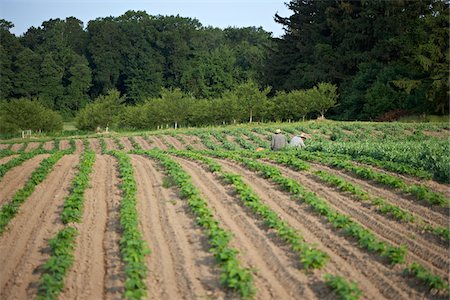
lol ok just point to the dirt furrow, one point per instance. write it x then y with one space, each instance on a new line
64 144
24 246
98 272
31 146
48 145
373 276
436 186
110 144
4 146
16 147
79 147
126 143
5 159
432 214
393 231
94 144
16 177
180 266
174 142
193 141
277 274
144 143
157 142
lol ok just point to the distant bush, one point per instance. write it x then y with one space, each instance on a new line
101 113
25 114
392 115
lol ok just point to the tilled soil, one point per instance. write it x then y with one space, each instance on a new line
48 145
16 177
64 145
79 147
16 147
126 143
144 143
24 245
110 144
180 266
98 272
94 144
31 146
388 282
194 141
157 142
174 142
5 159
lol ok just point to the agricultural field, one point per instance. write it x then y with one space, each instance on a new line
361 213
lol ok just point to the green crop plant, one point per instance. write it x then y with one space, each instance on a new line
119 143
345 290
133 248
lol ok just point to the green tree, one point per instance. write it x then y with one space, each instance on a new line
26 73
322 97
252 99
51 90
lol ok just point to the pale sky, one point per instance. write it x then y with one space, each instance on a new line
218 13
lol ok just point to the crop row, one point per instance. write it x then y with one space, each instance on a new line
9 210
63 244
310 257
232 274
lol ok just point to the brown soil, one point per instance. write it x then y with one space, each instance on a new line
180 266
277 274
48 145
435 186
79 147
443 134
16 147
174 142
4 146
394 232
157 142
98 272
126 143
110 144
64 145
433 215
31 146
24 246
94 144
16 178
374 276
5 159
194 141
144 143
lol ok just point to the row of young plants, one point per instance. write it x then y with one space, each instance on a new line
232 274
366 239
221 137
383 206
62 245
134 143
132 246
420 192
310 256
9 210
119 143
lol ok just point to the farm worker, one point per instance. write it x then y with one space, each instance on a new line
278 141
298 141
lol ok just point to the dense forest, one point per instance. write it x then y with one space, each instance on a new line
367 58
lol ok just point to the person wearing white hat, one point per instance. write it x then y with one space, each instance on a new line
278 141
298 141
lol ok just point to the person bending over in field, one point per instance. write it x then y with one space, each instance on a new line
278 141
298 141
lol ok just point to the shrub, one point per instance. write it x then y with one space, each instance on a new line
24 114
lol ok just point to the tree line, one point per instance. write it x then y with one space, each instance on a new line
381 56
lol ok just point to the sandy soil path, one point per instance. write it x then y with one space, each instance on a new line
64 144
432 214
157 142
94 144
126 143
277 274
97 272
110 144
174 142
434 255
5 159
194 141
144 143
180 266
31 146
24 246
374 277
16 177
48 145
